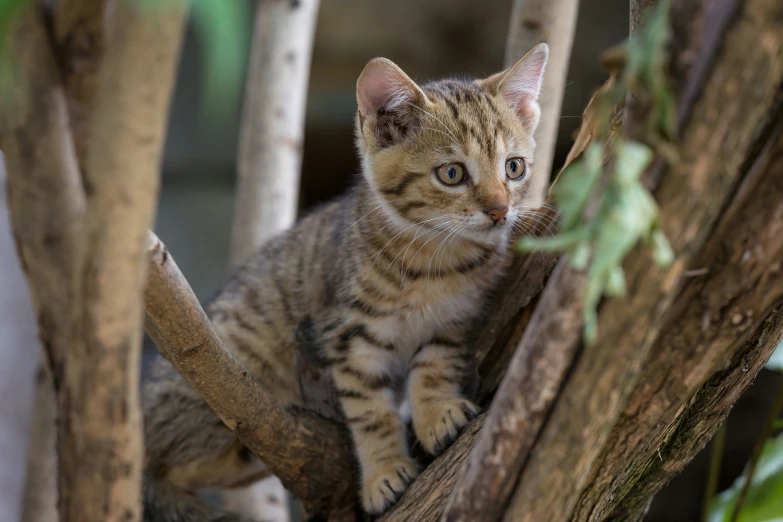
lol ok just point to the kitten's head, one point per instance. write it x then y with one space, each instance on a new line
453 154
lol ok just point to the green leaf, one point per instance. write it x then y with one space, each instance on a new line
223 30
776 361
575 185
764 501
662 251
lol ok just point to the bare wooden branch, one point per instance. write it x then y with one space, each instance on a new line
79 32
270 149
720 136
524 399
67 239
47 208
270 152
121 182
311 456
554 22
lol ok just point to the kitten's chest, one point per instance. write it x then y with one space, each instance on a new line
426 311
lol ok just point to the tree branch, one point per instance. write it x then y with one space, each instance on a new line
270 149
80 38
270 152
554 22
47 208
121 183
708 325
720 135
311 456
68 237
521 404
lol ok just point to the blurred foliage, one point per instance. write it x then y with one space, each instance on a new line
764 499
224 33
224 36
605 210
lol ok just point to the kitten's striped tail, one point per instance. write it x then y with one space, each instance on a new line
164 502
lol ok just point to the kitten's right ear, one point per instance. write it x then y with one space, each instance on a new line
520 84
387 100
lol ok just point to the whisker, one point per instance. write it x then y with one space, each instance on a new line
456 235
364 216
434 254
419 250
419 223
405 250
435 118
441 132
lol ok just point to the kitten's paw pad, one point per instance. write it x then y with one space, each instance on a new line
439 425
385 483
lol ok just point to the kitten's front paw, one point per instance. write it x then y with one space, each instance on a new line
384 484
438 423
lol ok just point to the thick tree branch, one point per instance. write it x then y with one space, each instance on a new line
68 238
735 297
79 33
311 456
270 149
521 404
721 134
121 184
47 207
554 22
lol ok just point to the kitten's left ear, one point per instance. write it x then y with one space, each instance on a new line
520 85
389 101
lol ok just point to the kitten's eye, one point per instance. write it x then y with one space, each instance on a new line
516 168
451 173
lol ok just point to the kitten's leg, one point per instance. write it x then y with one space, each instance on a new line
361 376
438 409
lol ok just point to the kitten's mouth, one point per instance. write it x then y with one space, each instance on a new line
497 224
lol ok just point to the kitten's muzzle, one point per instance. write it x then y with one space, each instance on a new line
497 213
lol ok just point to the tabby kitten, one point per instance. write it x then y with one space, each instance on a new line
390 276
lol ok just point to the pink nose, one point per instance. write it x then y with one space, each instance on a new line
497 213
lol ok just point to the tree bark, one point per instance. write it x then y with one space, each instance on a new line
39 503
523 401
705 340
79 31
272 133
72 236
47 208
554 22
721 135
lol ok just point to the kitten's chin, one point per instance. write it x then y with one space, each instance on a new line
497 235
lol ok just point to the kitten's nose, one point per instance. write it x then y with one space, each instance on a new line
497 213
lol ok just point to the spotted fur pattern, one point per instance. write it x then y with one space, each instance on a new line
389 277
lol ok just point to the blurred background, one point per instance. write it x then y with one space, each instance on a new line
428 39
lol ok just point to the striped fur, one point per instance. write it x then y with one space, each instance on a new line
389 276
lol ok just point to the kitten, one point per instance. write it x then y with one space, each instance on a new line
390 276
